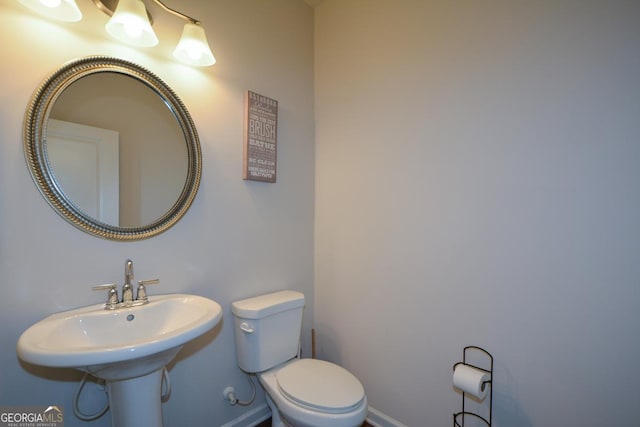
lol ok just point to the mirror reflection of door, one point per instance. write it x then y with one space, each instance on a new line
85 161
153 158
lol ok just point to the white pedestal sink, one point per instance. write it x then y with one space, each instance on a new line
127 347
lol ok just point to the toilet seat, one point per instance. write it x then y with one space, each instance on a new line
320 385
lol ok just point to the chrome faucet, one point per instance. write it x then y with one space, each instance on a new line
127 289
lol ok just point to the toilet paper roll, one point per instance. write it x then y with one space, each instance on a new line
470 380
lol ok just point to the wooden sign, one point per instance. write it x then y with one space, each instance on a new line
260 138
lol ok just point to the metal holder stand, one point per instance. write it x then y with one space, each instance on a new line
462 414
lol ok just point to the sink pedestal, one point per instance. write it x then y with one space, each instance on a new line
135 388
137 401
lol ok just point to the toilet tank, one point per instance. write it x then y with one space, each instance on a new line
267 329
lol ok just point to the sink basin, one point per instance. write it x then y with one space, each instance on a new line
121 343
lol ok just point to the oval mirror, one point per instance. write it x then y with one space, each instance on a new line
112 149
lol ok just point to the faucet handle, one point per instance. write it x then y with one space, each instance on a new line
112 296
141 294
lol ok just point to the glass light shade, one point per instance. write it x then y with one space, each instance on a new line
61 10
193 47
130 24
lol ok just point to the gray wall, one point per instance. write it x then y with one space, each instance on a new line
478 182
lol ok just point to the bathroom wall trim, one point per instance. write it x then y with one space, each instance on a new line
262 412
250 418
378 419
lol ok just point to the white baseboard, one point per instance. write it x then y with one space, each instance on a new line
262 412
251 418
378 419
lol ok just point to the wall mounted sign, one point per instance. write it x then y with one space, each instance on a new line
260 138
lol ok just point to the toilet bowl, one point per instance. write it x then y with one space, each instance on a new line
300 392
314 393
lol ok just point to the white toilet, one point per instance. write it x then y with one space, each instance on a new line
300 392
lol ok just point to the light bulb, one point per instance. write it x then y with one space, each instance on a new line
133 31
61 10
194 54
51 3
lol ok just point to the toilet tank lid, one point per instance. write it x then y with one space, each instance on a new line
266 305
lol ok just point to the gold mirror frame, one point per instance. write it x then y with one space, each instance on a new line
35 131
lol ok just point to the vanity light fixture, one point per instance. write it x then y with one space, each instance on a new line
131 23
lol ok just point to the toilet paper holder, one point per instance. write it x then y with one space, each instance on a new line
489 383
